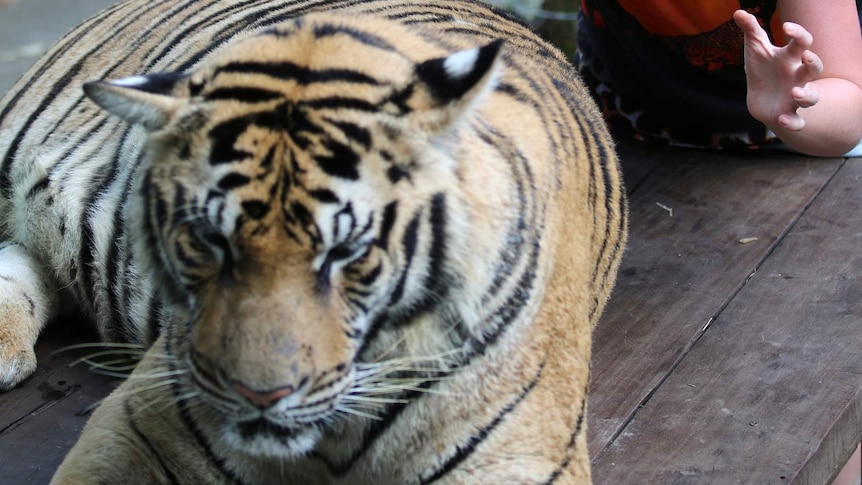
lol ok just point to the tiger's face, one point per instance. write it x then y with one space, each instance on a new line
297 200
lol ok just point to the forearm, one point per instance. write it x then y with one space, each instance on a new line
833 126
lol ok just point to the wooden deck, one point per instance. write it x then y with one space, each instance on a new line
731 351
721 358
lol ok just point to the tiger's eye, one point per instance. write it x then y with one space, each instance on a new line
255 209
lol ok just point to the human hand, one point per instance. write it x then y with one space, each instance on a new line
778 77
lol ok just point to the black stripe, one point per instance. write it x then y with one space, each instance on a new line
375 431
345 213
498 319
353 132
89 271
219 39
422 18
358 304
516 237
116 249
409 241
172 479
224 136
242 94
159 208
180 206
329 30
154 318
357 292
122 241
370 277
389 214
296 9
38 187
369 225
232 181
600 275
70 156
579 425
256 20
185 259
48 98
341 161
437 283
336 103
158 220
171 43
287 70
267 161
307 222
324 196
463 451
152 222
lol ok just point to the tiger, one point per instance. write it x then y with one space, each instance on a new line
356 242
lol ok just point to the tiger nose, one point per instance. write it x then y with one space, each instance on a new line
262 399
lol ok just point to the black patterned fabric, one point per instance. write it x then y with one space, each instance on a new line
672 71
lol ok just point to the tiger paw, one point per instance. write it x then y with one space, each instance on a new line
25 307
16 364
19 329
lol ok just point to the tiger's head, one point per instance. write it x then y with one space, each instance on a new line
297 198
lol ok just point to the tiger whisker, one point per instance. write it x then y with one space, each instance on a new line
367 399
109 373
114 352
112 365
150 387
121 360
195 213
174 400
405 366
99 345
396 376
347 410
392 347
159 375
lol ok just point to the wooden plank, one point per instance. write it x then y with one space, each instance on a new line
681 269
42 418
638 162
771 393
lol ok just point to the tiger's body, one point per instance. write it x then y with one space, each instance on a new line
365 242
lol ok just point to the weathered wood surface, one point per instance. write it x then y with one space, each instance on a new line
707 371
41 419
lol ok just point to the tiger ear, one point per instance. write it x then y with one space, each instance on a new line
145 100
457 81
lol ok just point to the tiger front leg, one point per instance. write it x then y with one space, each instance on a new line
26 305
141 434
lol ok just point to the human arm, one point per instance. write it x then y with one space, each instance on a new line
808 92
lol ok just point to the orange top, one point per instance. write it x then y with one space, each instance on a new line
675 17
686 18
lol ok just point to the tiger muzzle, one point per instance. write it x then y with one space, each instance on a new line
270 340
